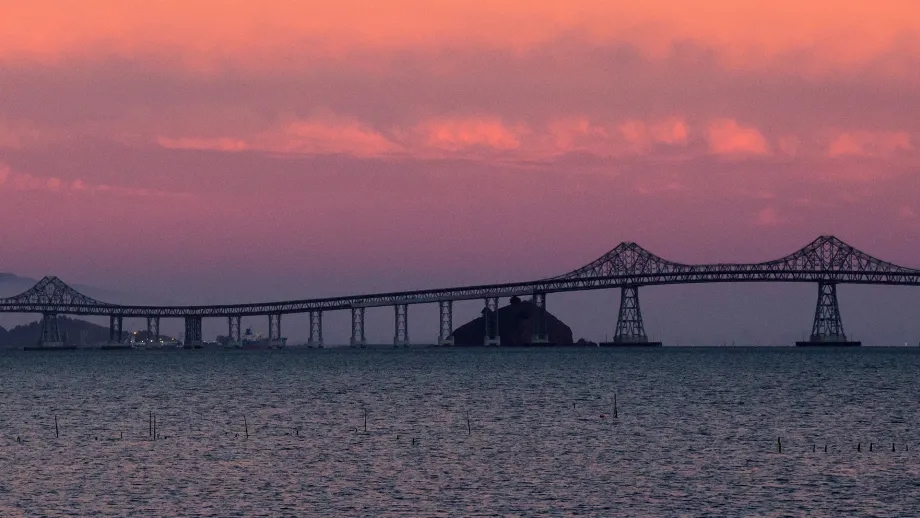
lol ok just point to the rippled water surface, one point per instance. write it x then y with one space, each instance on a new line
461 432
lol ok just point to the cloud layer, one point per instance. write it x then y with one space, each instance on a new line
223 129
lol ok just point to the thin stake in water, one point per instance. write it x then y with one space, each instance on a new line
615 413
57 435
246 426
779 445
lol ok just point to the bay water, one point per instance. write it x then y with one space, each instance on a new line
461 432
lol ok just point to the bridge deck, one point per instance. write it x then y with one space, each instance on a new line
825 259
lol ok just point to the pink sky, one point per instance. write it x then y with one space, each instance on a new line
223 151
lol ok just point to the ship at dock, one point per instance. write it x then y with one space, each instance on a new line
250 340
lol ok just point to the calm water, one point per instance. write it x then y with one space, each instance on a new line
696 433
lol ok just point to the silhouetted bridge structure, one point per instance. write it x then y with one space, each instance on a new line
826 261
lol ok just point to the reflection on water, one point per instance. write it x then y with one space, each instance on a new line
460 432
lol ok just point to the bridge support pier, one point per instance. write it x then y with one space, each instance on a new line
630 330
274 330
490 315
50 331
357 327
153 329
234 331
192 332
827 329
401 336
115 328
446 332
316 329
539 334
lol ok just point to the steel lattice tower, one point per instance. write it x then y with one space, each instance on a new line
828 326
630 328
51 332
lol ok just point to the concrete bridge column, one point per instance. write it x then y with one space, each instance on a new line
316 329
630 328
234 332
153 329
357 327
50 331
446 334
539 320
401 336
274 329
115 328
827 329
490 315
192 331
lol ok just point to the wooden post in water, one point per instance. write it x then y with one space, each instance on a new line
246 425
615 413
365 420
469 431
57 434
154 427
779 445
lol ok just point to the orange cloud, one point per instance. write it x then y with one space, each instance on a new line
311 136
465 133
491 138
470 136
640 135
21 181
673 131
727 137
575 134
215 144
867 143
744 32
316 136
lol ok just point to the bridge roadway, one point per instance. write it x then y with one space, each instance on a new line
826 261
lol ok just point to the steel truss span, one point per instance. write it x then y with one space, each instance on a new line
825 260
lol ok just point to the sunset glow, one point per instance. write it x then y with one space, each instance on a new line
424 140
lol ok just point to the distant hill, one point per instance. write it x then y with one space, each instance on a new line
12 284
74 331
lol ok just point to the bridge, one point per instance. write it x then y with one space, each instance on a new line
826 261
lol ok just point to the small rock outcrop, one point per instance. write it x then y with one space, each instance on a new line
516 324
